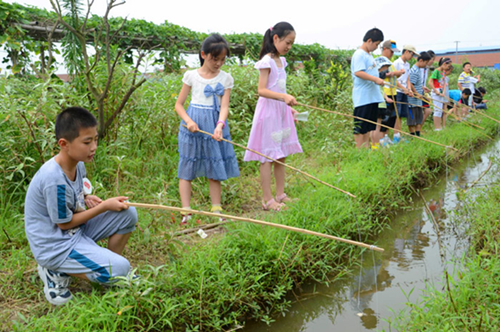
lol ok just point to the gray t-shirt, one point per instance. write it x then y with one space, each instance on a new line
52 199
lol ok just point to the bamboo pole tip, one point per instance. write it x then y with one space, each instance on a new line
374 247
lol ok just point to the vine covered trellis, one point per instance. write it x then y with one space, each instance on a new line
25 29
94 47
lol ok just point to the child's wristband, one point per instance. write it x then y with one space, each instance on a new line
223 124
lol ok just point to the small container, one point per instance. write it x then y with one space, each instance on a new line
302 116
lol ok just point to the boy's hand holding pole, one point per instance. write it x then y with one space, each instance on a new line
115 204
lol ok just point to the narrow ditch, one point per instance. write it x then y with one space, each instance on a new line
385 282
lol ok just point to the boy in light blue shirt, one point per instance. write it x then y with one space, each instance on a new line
365 94
63 221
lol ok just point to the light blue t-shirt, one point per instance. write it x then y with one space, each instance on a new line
364 92
52 199
455 95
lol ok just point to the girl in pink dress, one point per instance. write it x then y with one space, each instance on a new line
273 129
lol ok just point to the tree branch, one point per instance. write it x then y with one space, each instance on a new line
89 5
124 102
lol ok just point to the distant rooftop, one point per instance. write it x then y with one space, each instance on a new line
483 56
469 50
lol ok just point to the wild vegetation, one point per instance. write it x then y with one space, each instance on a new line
241 273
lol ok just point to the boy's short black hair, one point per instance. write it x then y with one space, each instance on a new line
481 89
431 53
374 34
71 120
424 56
466 92
465 63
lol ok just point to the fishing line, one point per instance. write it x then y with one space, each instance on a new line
361 254
375 274
361 270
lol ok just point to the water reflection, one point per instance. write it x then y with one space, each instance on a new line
370 281
385 282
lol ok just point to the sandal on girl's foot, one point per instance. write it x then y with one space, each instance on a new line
185 218
272 205
283 198
217 209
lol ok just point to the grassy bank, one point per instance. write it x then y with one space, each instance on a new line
469 300
214 284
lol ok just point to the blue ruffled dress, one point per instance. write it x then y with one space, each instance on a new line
199 154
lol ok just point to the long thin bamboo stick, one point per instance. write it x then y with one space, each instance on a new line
471 125
474 110
378 124
394 101
448 113
255 221
419 96
423 98
481 176
281 163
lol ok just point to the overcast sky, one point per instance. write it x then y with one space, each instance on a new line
427 24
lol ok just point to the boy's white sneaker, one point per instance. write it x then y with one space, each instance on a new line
55 286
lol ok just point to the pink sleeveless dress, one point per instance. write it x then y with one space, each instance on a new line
273 129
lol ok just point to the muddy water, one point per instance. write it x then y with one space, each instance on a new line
385 282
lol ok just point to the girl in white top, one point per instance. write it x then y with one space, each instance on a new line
200 155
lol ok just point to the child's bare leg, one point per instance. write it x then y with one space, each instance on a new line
464 111
80 276
362 140
265 180
279 175
215 191
185 192
117 242
376 134
397 125
427 112
444 119
437 122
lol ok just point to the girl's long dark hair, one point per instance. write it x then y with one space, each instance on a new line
282 29
214 45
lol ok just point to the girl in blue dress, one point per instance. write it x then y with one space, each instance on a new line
199 154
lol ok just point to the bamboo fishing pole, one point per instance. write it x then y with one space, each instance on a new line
378 124
392 88
467 106
281 163
475 110
447 113
471 125
255 221
424 99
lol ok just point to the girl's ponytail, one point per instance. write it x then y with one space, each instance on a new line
282 29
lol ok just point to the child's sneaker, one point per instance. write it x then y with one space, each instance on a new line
55 286
396 139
